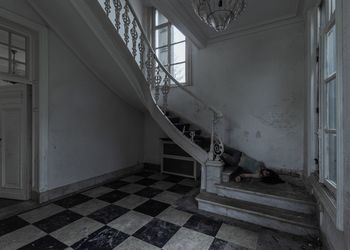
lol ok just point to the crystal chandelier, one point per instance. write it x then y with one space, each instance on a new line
218 13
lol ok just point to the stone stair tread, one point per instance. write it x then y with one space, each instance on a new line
292 189
291 217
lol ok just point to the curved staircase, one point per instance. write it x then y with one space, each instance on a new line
154 81
123 37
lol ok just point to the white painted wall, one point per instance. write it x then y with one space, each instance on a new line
92 131
258 82
152 144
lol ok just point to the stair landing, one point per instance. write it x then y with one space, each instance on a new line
286 207
266 216
293 188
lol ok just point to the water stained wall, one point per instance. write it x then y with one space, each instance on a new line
258 82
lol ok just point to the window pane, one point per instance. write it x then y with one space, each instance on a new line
332 157
4 51
332 104
331 7
19 69
178 53
160 19
4 36
4 66
179 72
18 41
161 37
176 35
162 54
19 55
331 52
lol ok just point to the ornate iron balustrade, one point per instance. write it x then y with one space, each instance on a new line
128 26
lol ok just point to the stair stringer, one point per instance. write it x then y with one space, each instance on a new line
95 17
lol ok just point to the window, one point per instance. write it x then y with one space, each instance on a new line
328 94
13 54
172 48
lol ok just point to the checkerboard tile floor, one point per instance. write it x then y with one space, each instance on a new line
135 212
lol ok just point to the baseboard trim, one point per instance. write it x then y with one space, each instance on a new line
81 186
151 166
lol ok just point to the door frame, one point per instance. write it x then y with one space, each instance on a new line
40 92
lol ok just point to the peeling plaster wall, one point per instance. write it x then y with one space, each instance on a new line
258 82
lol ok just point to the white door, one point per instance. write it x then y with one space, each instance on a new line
15 144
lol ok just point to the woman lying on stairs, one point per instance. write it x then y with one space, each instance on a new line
250 168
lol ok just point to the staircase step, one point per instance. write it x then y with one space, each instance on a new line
174 119
280 196
180 126
266 216
196 131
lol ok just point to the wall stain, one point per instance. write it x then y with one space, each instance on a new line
258 135
281 115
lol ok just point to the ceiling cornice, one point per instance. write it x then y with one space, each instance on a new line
178 15
257 28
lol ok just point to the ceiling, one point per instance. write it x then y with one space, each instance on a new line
258 13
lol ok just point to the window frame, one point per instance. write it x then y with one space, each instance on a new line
188 48
28 77
327 23
331 202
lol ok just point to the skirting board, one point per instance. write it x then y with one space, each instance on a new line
81 186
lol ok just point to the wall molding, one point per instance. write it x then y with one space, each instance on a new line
84 185
174 10
277 24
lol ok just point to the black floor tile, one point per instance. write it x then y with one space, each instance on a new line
104 239
113 196
116 184
149 192
224 245
152 207
146 182
107 214
174 178
72 201
11 224
218 244
46 242
203 225
157 232
57 221
145 173
180 189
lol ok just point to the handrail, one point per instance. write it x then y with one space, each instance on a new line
218 113
154 65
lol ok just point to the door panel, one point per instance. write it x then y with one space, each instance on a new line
14 144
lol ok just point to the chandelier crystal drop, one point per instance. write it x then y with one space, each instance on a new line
218 13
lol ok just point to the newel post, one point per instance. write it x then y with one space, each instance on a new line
211 175
213 168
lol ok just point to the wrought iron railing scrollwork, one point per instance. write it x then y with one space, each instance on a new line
123 16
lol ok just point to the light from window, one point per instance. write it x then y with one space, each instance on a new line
171 47
331 52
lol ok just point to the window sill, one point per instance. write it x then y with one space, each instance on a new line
325 197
